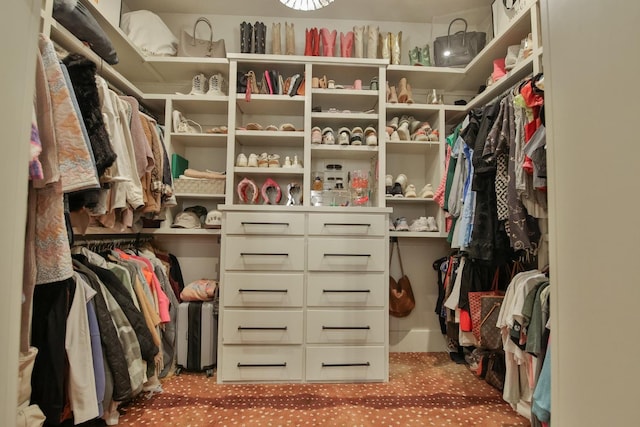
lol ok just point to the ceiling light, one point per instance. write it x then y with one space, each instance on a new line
306 5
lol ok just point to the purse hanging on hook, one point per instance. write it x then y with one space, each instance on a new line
192 46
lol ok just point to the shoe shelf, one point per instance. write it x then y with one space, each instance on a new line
408 200
345 116
199 140
177 68
182 231
183 196
413 147
199 104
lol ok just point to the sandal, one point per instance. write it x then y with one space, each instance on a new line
271 128
253 126
422 133
287 127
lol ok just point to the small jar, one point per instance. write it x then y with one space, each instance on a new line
318 185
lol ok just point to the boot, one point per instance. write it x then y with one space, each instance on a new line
276 41
289 39
358 42
414 56
260 33
396 48
425 56
316 42
308 42
409 95
246 35
393 97
328 41
372 42
403 93
346 44
384 44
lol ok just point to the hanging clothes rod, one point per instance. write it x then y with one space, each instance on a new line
134 240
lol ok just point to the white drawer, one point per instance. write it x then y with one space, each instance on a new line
329 254
346 326
347 289
261 363
264 253
262 289
262 327
345 363
347 224
279 223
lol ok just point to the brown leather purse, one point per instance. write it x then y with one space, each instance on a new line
401 299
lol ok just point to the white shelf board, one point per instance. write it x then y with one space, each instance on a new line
281 105
302 59
180 68
199 196
344 92
270 138
345 116
322 151
425 77
182 231
200 104
412 147
199 139
408 200
416 234
269 171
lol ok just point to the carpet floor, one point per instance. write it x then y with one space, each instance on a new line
424 389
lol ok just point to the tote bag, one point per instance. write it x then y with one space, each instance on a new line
401 299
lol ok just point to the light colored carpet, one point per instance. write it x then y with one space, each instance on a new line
424 389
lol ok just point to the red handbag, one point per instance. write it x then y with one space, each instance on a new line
475 304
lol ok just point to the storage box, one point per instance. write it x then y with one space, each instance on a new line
199 186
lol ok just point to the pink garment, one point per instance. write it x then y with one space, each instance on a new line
154 283
439 193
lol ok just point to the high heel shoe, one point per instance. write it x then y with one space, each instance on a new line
403 93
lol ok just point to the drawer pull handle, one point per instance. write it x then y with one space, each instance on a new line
262 365
346 327
345 224
326 291
262 328
353 255
339 365
286 224
282 291
262 254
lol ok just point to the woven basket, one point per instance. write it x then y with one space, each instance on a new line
199 186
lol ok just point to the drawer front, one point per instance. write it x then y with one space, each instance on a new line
346 254
261 363
262 327
346 224
264 253
345 363
264 223
346 326
263 289
347 289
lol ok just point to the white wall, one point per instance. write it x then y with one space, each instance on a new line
591 75
18 30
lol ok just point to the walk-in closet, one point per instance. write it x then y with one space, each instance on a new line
318 212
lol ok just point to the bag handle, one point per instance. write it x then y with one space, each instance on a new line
206 21
495 305
513 4
464 35
400 258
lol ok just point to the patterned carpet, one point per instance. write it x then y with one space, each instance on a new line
424 389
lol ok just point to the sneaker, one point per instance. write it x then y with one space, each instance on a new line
197 84
253 160
402 180
401 224
215 85
296 163
410 191
391 226
388 185
287 162
316 135
241 161
431 223
344 136
427 192
396 190
328 137
419 224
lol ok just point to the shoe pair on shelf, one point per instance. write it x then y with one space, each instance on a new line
266 160
288 127
401 188
407 128
401 93
346 136
421 224
216 85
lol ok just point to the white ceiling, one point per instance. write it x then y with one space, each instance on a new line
361 10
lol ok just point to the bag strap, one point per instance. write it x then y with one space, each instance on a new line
464 35
393 245
495 305
513 4
206 21
400 258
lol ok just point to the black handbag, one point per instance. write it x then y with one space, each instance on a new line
457 50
